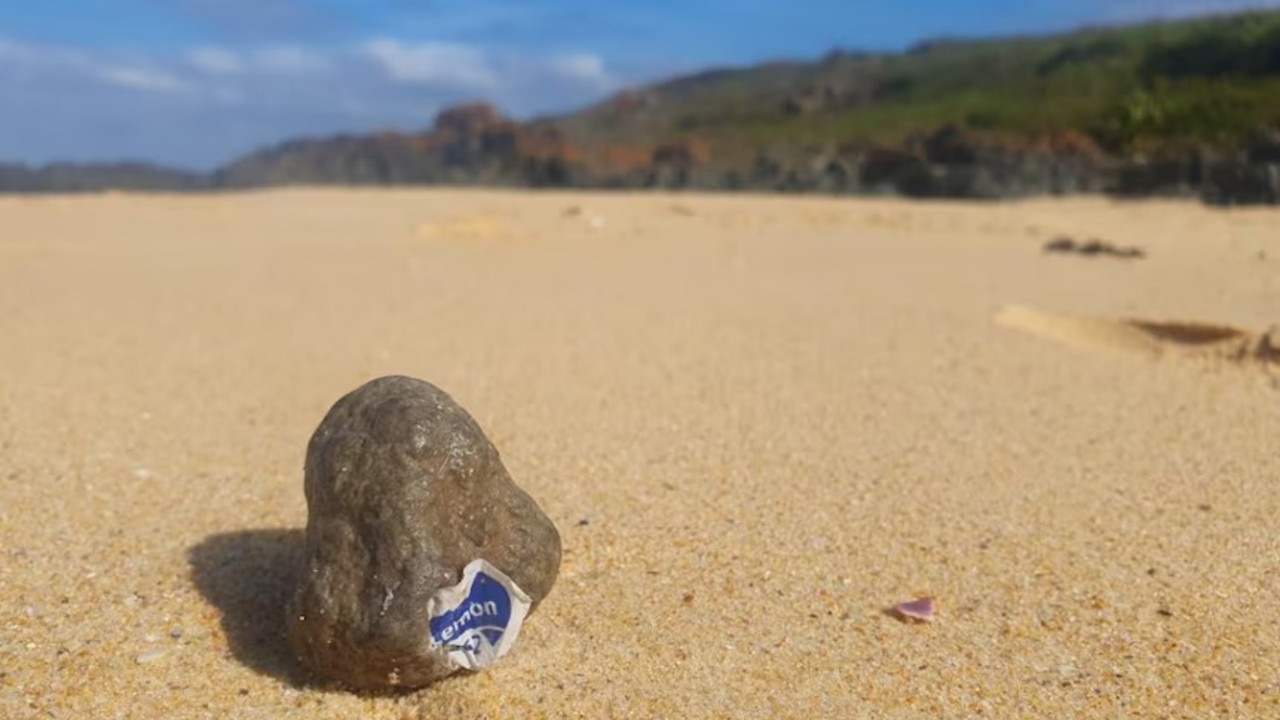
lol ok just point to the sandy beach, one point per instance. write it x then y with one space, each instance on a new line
756 421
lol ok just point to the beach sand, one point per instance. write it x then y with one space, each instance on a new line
757 422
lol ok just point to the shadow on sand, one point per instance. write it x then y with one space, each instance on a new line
249 576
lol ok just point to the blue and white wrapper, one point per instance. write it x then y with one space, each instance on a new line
478 620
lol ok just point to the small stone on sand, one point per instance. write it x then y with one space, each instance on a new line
403 492
921 610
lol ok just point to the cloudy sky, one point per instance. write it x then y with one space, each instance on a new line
195 83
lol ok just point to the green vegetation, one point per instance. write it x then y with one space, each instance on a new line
1210 82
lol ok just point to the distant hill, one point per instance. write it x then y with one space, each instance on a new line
71 177
1172 107
1211 81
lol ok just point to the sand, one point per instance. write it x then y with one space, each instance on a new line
757 421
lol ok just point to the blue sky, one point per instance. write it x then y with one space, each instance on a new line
194 83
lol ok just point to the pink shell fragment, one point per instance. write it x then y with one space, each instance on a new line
922 610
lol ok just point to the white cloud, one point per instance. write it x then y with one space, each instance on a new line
64 64
215 60
204 105
278 59
42 55
289 59
145 79
582 66
445 64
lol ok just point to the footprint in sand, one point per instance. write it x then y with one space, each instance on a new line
1186 340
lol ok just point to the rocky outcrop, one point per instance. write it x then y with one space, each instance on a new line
948 163
1250 176
471 144
475 145
1242 183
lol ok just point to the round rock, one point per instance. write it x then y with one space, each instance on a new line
403 491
